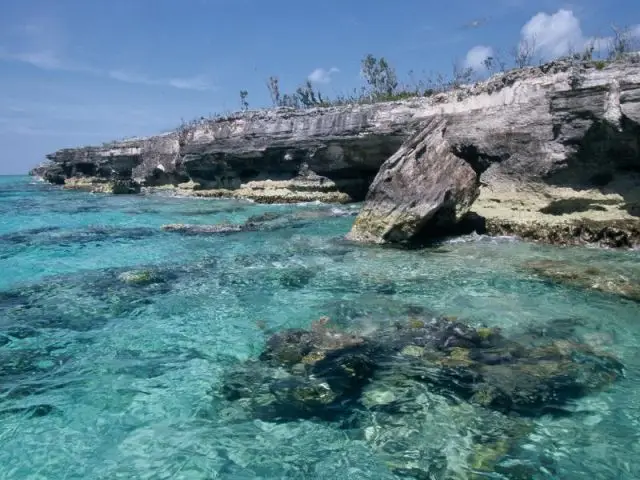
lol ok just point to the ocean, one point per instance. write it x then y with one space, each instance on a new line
102 377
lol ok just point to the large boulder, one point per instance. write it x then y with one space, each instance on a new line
422 190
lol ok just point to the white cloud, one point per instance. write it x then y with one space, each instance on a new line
320 75
476 56
49 60
45 59
554 35
198 82
129 77
560 34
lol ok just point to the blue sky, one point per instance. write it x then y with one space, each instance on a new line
78 72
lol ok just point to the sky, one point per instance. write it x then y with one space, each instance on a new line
78 72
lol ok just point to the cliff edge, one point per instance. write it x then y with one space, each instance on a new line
550 153
555 151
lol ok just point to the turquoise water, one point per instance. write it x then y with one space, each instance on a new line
103 379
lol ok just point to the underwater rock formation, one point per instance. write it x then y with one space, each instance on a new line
623 284
322 372
262 222
434 378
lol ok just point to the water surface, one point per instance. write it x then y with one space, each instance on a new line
102 379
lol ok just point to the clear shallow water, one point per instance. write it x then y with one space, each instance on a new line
102 379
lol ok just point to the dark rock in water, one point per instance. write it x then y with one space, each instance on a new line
99 296
324 368
210 211
93 234
296 277
204 229
265 217
141 277
28 371
386 288
263 222
26 236
34 411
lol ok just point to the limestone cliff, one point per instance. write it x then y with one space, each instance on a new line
556 150
550 146
282 155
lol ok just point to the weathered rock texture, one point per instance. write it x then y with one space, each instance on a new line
424 188
551 148
555 148
274 156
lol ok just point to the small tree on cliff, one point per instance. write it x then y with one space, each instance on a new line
622 42
308 96
273 84
525 51
380 76
244 104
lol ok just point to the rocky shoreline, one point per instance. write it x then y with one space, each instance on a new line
548 153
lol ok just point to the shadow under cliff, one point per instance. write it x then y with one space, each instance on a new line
605 158
351 164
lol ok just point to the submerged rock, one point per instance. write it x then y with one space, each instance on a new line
294 278
141 277
422 434
470 391
261 222
588 277
194 229
98 297
331 367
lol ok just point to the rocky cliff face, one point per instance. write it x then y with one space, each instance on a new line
549 147
275 155
556 151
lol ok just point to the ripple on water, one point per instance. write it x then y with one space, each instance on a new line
114 339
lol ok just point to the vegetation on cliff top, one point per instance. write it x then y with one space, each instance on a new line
381 82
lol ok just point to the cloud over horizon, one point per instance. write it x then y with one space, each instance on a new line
197 82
